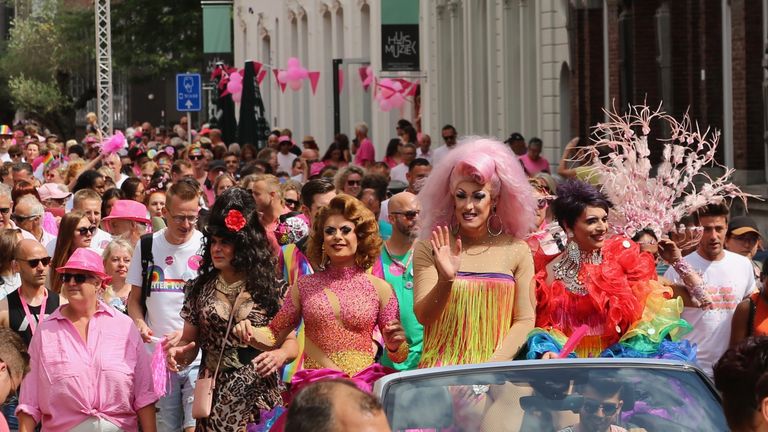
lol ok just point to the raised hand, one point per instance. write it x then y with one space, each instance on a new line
447 259
669 251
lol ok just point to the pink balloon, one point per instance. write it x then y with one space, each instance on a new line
293 74
236 77
386 86
234 87
295 84
293 62
385 105
397 100
282 76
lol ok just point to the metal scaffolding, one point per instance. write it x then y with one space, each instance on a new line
104 66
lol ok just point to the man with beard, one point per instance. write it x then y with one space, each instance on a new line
418 171
395 265
728 279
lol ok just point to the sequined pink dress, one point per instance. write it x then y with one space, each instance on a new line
340 308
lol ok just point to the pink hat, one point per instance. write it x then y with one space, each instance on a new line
284 138
128 210
52 191
84 259
316 168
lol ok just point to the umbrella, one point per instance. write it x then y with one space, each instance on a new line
253 127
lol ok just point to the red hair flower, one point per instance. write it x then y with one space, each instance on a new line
234 220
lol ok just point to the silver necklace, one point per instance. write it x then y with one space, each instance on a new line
567 269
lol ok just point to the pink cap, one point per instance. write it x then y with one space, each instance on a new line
128 210
84 259
52 191
316 168
284 138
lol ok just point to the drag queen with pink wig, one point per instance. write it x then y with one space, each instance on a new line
472 270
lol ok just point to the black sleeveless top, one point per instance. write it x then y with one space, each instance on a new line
18 318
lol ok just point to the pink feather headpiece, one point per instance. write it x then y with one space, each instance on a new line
681 185
113 144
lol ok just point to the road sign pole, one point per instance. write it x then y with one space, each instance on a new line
189 127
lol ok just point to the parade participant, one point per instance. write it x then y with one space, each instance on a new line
222 183
548 236
148 169
274 214
157 295
284 156
603 399
290 193
348 180
395 265
407 155
334 156
28 215
532 160
9 279
14 363
740 377
343 244
418 171
75 232
63 387
362 147
128 219
6 206
373 192
89 202
744 238
117 259
133 189
115 164
449 136
471 254
90 179
425 142
237 271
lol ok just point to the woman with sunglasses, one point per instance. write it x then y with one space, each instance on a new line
548 239
89 370
75 231
349 180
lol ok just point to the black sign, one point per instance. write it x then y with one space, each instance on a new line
400 47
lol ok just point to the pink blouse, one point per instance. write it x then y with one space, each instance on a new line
70 381
345 337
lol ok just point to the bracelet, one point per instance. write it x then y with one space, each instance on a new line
697 291
399 355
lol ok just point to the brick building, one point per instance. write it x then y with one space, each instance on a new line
701 56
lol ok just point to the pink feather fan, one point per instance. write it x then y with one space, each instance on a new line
113 144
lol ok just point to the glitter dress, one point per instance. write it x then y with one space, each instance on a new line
627 312
340 308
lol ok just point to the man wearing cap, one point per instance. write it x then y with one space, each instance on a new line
6 140
128 219
362 147
743 238
517 143
89 370
54 196
284 156
449 138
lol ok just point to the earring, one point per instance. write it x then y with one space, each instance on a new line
488 224
323 258
574 254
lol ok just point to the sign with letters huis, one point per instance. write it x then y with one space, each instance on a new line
400 35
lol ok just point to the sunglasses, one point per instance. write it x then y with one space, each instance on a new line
19 218
5 210
354 182
410 215
34 262
542 203
196 158
591 406
291 202
79 277
89 230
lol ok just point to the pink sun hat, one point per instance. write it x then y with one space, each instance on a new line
84 259
128 210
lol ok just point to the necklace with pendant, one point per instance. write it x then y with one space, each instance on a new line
399 268
569 266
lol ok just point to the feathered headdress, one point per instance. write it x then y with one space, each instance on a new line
680 186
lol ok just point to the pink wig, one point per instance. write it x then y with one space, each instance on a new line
481 160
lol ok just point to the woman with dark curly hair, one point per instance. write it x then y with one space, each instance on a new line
341 303
247 379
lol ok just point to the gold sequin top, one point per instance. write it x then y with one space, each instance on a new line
340 308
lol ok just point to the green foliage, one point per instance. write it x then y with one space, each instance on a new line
38 97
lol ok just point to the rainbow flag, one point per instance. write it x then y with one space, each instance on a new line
5 130
48 159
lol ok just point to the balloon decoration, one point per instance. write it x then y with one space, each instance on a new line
294 76
235 86
390 94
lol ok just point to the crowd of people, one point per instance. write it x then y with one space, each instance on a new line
165 285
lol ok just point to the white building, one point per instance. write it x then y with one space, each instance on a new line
489 67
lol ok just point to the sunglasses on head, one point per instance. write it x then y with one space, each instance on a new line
79 277
410 215
591 406
86 230
34 262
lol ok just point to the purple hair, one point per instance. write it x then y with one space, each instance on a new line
573 196
481 160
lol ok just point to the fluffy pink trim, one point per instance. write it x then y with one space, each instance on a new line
482 160
113 144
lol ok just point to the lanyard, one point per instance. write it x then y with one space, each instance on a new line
41 315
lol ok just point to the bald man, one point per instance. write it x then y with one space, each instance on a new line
32 263
396 267
335 405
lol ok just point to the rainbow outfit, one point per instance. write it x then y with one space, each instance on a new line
627 312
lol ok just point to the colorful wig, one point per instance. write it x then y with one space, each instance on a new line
481 160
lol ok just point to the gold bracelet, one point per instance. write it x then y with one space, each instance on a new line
401 354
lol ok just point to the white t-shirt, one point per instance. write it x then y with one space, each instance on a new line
173 266
440 153
728 281
398 173
384 211
119 182
421 155
284 162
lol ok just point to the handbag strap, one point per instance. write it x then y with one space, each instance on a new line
226 335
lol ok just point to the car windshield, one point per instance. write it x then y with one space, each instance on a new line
575 398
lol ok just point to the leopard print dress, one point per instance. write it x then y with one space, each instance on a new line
240 393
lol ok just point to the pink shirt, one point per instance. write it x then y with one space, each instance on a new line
70 381
365 153
534 167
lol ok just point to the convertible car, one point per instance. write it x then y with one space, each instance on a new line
569 395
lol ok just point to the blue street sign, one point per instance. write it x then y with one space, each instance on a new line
188 92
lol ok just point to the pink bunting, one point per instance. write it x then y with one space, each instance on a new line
341 80
260 77
413 89
314 78
366 76
282 85
257 68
